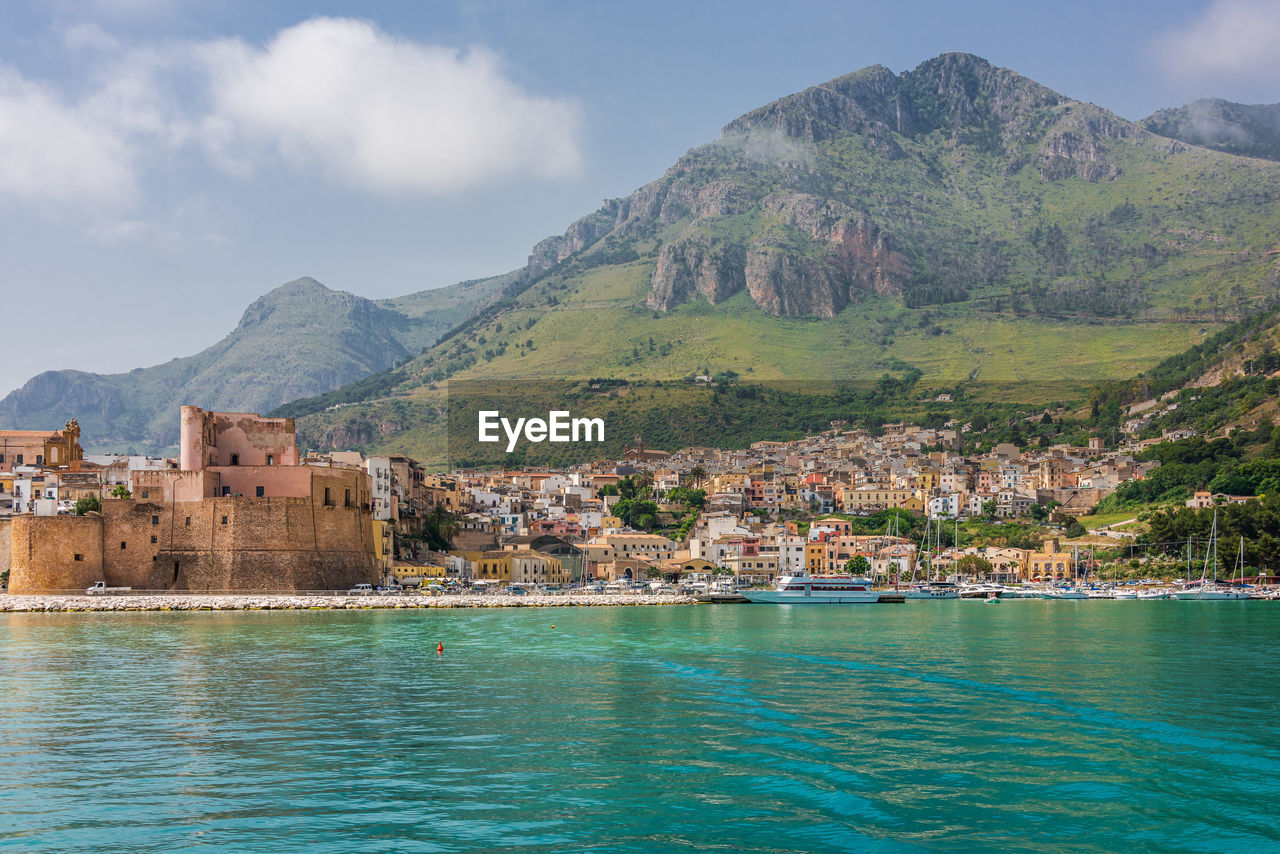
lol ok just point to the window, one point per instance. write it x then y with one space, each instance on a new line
271 459
188 521
146 493
122 545
346 498
153 538
235 459
261 491
327 501
155 520
226 491
39 459
79 557
224 520
18 459
1 458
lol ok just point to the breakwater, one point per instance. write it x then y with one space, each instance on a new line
301 602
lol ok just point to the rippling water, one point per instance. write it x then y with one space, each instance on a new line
1071 726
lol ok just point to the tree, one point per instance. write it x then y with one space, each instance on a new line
607 489
989 508
973 565
858 565
652 572
627 487
88 504
1075 529
1039 512
697 473
636 514
691 498
121 491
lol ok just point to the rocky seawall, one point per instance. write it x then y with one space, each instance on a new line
298 602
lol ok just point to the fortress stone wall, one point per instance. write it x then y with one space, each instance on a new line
5 544
248 518
245 544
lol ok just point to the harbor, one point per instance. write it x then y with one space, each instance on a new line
568 729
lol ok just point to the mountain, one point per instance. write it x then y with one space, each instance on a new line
299 340
1252 130
958 220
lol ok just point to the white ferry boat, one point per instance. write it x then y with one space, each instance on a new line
801 588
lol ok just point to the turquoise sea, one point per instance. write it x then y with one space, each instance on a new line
950 726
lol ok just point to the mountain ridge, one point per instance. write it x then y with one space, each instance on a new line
958 218
1249 130
297 340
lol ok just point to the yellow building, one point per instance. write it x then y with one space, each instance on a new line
382 548
493 566
631 544
813 556
519 567
753 569
409 571
875 498
1051 562
530 567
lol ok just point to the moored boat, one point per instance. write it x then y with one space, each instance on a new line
801 588
933 590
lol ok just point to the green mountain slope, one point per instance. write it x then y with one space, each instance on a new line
958 219
299 340
1252 130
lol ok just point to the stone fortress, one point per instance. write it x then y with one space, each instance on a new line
239 514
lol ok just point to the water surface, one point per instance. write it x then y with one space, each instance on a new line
952 726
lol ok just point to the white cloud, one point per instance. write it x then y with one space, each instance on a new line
1233 39
56 153
333 97
379 113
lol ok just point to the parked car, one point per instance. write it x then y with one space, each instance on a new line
100 588
361 590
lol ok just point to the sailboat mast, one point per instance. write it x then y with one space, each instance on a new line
1214 534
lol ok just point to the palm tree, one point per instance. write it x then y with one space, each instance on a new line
644 480
697 473
448 529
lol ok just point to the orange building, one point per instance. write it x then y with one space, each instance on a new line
48 448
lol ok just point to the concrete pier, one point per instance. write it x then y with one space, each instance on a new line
304 602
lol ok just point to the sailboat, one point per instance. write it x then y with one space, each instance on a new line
1213 591
930 589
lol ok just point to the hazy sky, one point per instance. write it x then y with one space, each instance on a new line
162 164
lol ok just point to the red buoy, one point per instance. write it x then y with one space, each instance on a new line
440 648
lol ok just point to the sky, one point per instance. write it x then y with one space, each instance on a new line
165 163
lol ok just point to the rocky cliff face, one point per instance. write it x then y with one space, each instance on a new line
813 257
772 210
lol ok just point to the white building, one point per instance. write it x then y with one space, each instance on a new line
379 471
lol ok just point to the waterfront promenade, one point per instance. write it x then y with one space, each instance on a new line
304 602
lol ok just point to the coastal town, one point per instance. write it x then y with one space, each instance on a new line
240 509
